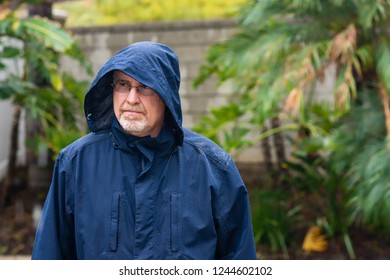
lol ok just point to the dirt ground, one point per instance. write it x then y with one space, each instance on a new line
17 232
17 227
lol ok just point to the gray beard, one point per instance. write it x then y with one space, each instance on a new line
132 126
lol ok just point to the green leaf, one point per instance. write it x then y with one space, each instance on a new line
50 33
10 52
14 87
15 25
4 26
371 11
383 62
56 81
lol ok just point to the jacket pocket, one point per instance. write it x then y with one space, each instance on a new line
174 205
114 222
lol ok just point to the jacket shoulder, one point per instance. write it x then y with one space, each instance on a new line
83 142
207 147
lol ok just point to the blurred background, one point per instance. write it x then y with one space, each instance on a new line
296 91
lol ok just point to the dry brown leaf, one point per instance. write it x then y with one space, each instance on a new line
315 240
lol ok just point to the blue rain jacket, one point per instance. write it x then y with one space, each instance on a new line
116 196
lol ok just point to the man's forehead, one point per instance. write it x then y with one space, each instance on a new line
120 75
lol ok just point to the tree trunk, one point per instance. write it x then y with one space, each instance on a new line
385 102
44 10
279 145
266 149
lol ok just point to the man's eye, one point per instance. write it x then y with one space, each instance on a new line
123 84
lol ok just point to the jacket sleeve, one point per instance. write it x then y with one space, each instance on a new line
54 238
233 218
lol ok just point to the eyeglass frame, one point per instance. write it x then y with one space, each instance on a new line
140 89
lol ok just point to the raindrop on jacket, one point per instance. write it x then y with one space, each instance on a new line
116 196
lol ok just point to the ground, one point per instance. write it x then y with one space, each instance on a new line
17 228
367 246
17 235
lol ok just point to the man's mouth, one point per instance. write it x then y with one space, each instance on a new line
132 113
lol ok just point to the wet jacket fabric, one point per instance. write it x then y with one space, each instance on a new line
117 196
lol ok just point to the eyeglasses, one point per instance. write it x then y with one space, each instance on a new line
124 86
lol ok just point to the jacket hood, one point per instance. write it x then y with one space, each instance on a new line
152 64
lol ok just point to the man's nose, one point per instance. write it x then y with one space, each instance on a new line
133 96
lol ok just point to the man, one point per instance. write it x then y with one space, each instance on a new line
140 186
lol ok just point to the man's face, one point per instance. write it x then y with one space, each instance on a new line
139 110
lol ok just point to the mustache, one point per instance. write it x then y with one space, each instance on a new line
135 108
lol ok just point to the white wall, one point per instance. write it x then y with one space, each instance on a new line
6 111
6 115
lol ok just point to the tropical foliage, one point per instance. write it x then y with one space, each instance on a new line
33 46
282 51
33 81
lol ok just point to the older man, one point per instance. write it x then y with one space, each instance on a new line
140 186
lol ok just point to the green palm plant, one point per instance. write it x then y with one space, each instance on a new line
282 50
284 47
362 139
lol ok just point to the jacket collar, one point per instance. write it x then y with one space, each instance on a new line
163 144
